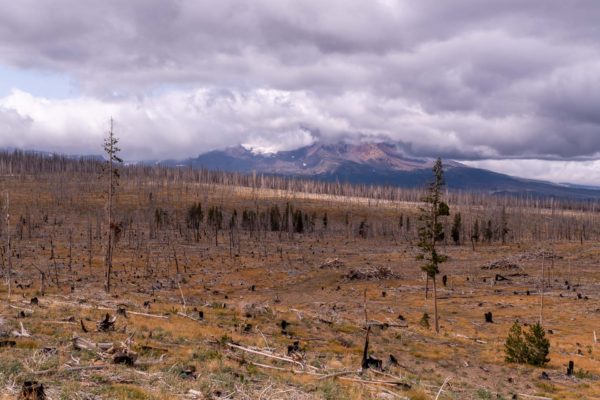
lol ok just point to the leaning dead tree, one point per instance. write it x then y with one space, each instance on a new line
112 151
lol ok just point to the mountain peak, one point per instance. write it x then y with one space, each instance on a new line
317 159
377 163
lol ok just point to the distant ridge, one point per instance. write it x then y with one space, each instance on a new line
380 164
377 164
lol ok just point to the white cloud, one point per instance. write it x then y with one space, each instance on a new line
575 172
174 124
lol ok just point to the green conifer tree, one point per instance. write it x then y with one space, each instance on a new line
431 231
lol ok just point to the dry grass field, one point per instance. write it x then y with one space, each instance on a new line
271 315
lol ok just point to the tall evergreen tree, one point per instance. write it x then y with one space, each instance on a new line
298 222
475 234
363 229
431 231
275 218
215 219
456 227
194 218
503 225
488 232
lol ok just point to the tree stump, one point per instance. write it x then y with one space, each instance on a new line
372 362
107 323
125 358
293 348
32 390
570 368
488 317
122 310
188 372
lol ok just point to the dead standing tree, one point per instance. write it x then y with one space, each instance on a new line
8 248
70 257
112 151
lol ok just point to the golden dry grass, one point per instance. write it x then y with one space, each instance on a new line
323 309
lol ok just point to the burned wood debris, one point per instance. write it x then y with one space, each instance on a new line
504 265
106 324
32 390
333 263
371 273
539 255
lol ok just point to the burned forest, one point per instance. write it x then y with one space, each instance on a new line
153 282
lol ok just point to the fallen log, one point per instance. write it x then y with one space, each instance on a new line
337 374
377 382
103 308
70 369
268 355
181 314
80 343
256 364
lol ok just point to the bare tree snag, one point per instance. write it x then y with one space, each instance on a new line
70 262
542 295
90 247
112 151
8 248
571 368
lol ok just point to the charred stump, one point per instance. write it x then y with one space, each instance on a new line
107 324
32 390
488 317
571 368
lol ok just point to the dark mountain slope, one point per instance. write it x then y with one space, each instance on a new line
378 164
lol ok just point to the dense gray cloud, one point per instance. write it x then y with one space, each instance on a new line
466 79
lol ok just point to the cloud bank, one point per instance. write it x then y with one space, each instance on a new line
462 79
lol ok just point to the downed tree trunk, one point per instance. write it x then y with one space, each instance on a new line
84 344
270 355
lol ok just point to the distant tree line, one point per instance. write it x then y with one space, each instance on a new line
477 218
19 162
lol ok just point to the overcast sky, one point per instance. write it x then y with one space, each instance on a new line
510 85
